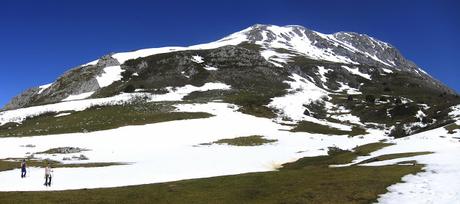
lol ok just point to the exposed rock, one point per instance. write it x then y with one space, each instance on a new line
63 150
81 157
73 82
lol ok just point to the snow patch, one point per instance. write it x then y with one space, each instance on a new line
62 114
210 68
455 112
197 59
301 93
79 96
349 90
355 71
177 93
276 58
90 63
389 71
322 73
111 74
420 114
43 87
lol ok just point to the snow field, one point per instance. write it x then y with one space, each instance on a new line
170 151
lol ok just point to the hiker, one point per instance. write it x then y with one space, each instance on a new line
48 175
23 168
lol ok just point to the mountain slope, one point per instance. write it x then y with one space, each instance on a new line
291 99
277 45
290 73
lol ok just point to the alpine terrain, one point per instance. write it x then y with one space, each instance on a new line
269 114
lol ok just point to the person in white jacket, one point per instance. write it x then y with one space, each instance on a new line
48 175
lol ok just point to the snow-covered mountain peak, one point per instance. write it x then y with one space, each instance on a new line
279 45
341 47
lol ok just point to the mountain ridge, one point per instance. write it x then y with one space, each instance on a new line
279 44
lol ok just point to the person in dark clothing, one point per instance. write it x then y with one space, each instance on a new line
23 168
48 175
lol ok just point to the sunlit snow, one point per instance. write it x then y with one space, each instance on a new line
43 87
79 96
111 74
355 71
169 151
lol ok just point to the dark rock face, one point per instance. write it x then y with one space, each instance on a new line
64 150
239 67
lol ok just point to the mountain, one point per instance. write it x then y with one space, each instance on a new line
343 69
342 106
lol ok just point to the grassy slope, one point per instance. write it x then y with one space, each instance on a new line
452 128
97 118
394 156
253 140
305 126
300 182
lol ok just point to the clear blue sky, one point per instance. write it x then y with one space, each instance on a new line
39 40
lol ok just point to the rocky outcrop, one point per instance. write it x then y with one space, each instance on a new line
22 100
73 82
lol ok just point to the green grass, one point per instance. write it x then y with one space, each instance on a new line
10 164
253 103
335 156
394 156
97 118
452 128
310 127
254 140
291 184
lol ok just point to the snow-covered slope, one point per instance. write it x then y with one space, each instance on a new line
74 103
169 151
438 182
